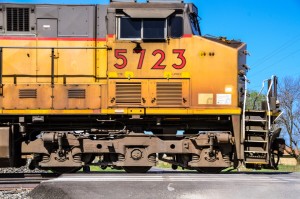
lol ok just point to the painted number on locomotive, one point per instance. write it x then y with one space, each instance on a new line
121 55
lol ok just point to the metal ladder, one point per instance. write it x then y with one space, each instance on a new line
256 142
256 127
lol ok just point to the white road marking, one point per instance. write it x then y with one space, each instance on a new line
170 188
172 178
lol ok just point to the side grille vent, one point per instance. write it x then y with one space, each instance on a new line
27 93
76 93
169 93
17 19
128 93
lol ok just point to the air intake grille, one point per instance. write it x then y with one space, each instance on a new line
17 19
169 93
128 93
76 93
27 93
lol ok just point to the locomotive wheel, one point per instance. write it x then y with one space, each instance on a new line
210 170
61 170
136 169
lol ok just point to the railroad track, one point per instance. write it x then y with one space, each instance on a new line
9 181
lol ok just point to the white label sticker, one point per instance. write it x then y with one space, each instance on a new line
228 90
205 98
46 27
119 111
224 99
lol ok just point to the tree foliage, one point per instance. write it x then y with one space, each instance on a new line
254 100
289 97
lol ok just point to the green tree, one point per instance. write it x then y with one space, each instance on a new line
289 98
254 100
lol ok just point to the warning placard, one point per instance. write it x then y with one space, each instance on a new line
224 99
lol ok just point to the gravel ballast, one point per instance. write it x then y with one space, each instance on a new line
19 193
15 194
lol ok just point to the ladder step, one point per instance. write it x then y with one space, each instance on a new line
257 131
251 110
264 152
256 141
255 120
255 111
256 162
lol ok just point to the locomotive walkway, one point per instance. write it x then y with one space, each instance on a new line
171 185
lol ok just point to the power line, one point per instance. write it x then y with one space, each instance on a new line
263 69
278 50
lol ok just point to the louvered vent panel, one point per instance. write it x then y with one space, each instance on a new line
27 93
17 19
128 93
76 93
169 93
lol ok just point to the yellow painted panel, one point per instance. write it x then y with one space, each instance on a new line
27 96
185 75
211 66
101 63
112 75
43 60
114 111
76 61
19 61
153 111
124 111
129 74
215 75
236 111
167 75
136 111
48 111
174 111
76 96
38 61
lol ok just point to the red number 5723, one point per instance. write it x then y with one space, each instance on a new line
120 54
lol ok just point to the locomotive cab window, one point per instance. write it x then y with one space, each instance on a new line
142 29
154 29
130 28
176 27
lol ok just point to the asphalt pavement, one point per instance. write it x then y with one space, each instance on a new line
181 185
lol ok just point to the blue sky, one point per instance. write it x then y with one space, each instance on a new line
271 29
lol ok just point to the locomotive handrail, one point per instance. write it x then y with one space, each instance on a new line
267 97
41 47
52 47
244 110
1 61
268 103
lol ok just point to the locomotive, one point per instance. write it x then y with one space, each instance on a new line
125 85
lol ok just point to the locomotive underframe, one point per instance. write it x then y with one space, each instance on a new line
120 141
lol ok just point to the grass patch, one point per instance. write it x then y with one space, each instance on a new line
98 169
289 168
281 168
163 165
